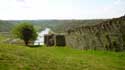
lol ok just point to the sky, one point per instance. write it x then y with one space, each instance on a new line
60 9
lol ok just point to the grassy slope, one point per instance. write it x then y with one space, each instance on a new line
14 57
2 37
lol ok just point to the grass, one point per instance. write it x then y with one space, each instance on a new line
13 57
2 37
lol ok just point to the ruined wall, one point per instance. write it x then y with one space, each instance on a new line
54 40
49 40
108 35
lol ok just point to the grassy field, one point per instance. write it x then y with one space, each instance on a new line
2 37
13 57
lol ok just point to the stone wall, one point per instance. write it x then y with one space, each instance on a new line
54 40
108 35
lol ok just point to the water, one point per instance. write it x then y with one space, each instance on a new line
40 38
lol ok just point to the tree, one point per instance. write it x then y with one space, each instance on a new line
25 31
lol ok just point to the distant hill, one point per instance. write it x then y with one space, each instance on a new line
5 26
55 25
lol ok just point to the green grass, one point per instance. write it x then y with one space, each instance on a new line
13 57
2 37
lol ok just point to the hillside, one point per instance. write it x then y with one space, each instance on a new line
107 35
55 25
13 57
5 26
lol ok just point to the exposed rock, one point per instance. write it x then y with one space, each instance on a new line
108 35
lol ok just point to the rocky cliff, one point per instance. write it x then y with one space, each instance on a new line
108 35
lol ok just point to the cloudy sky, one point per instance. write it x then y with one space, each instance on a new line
60 9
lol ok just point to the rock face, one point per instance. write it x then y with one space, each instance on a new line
108 35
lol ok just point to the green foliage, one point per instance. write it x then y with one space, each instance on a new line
25 31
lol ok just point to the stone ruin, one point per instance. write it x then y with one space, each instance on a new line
54 40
